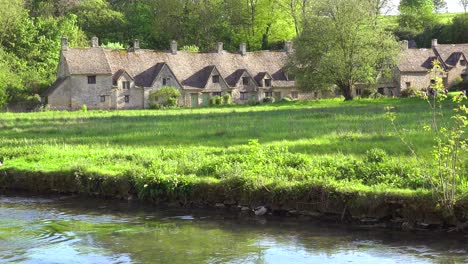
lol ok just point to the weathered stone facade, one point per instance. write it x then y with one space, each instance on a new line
119 79
415 65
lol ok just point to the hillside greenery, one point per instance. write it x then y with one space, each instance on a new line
31 31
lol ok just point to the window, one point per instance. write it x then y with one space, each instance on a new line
215 78
381 90
244 96
315 94
408 84
267 82
166 81
103 98
216 94
295 95
268 94
126 85
245 80
127 99
462 62
92 79
358 92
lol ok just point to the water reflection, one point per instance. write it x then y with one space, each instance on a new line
39 230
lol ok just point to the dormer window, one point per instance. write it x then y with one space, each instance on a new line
245 80
267 82
166 81
215 78
462 62
126 85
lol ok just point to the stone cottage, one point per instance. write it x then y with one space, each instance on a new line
413 69
103 78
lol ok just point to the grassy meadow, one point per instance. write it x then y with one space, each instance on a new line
282 147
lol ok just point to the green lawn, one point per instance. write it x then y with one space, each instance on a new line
319 142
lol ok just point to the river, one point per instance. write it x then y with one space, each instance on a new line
78 230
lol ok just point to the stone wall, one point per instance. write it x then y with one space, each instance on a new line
456 72
419 80
60 98
83 93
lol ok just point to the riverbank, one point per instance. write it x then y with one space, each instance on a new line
325 158
374 209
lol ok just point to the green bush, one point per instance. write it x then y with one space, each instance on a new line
84 108
376 95
167 96
227 99
212 101
409 92
366 93
218 100
376 155
268 100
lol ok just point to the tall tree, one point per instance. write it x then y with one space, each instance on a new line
297 9
342 46
97 18
440 5
416 14
464 4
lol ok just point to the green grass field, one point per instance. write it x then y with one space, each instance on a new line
321 142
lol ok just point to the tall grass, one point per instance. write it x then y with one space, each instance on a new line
325 141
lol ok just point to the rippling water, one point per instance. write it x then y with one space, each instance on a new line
39 230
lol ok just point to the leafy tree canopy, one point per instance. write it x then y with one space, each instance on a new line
341 46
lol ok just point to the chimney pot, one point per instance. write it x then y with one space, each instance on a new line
243 49
94 42
64 44
288 46
434 43
174 47
136 45
220 47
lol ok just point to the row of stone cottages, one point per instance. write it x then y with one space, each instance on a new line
119 79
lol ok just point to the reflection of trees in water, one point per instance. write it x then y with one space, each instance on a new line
149 235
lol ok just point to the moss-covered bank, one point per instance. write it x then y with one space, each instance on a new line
318 200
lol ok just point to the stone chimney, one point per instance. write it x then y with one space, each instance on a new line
64 44
174 47
220 47
288 47
94 42
404 44
434 43
136 45
243 49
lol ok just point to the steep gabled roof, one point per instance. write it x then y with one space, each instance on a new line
147 77
190 68
261 76
54 86
451 53
87 61
234 77
119 74
417 60
200 78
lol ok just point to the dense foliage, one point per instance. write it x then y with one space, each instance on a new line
343 48
31 29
